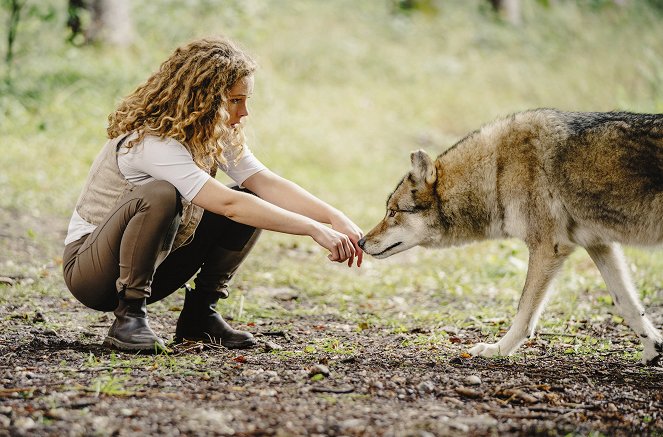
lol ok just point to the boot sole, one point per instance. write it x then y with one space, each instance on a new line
246 344
133 347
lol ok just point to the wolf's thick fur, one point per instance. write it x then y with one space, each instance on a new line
555 180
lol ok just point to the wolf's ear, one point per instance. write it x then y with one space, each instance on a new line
423 166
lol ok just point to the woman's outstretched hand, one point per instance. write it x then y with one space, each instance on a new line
342 240
354 233
340 245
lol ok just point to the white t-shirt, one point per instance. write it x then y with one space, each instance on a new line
166 159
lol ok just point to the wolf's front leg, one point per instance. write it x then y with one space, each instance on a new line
544 263
610 261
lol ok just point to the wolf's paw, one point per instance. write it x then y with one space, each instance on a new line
486 350
653 356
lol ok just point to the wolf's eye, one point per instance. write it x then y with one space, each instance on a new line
392 212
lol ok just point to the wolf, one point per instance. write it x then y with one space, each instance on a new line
556 180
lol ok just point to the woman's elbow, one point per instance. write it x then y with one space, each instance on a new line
219 200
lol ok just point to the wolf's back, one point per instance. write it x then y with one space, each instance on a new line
608 169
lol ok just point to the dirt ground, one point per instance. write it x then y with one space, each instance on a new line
61 382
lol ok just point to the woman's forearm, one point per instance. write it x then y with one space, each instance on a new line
290 196
251 210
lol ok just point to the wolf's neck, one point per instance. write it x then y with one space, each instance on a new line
466 184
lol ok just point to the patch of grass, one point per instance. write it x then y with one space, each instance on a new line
428 341
287 354
335 346
109 385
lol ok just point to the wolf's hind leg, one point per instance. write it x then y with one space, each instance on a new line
610 261
544 263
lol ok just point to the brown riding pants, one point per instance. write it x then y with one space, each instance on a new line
130 251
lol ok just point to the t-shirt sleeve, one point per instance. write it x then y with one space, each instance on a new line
163 159
245 167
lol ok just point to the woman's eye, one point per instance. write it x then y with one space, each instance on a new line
392 212
234 101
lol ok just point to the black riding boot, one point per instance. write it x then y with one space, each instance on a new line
199 321
130 330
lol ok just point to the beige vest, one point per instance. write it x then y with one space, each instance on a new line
106 185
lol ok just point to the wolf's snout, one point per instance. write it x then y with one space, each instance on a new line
362 242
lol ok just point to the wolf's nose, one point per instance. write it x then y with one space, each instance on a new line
362 242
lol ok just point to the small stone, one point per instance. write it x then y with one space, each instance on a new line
399 380
252 373
480 420
356 425
286 295
378 385
454 401
127 412
426 387
57 413
451 330
7 280
271 346
5 422
268 392
319 369
459 426
24 423
219 420
473 380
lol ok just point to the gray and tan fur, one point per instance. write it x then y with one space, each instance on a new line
555 180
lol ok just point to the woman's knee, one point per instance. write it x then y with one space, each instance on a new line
96 299
220 230
162 193
240 236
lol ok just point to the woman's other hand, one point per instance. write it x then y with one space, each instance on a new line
340 246
343 224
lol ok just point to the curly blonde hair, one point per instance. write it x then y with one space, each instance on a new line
186 100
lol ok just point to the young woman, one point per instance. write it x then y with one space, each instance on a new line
151 214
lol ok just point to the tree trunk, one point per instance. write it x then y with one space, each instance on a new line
111 22
508 10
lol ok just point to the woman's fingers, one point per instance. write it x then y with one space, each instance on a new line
357 252
341 247
336 250
345 226
342 250
350 248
